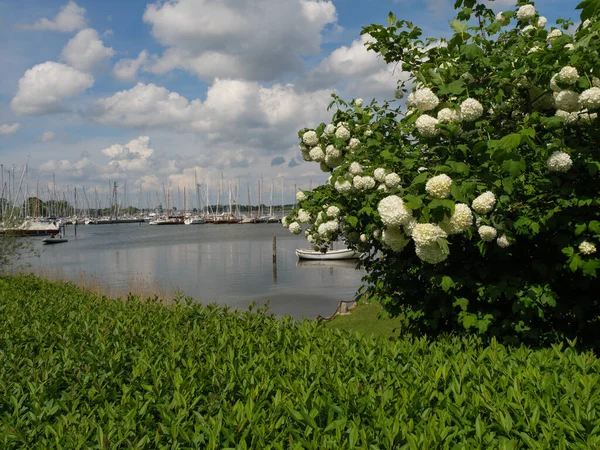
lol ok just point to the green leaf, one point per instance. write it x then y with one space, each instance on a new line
456 87
447 283
471 51
352 221
458 26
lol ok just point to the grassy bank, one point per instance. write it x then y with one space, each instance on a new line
366 319
83 371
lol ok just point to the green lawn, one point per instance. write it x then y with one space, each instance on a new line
365 319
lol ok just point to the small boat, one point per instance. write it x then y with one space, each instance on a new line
194 220
345 253
54 240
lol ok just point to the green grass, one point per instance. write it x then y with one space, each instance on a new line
365 319
81 371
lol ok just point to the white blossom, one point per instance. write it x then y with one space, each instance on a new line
448 115
328 228
554 34
500 17
355 168
300 196
310 138
567 101
410 100
358 102
342 187
553 85
368 182
303 216
569 118
425 99
569 47
590 98
357 182
333 211
526 12
527 29
353 144
470 110
332 152
426 126
286 222
394 238
379 174
295 228
542 21
487 233
383 187
342 133
376 234
329 129
439 186
484 203
392 180
568 75
363 237
559 162
460 220
503 241
392 211
586 23
427 233
317 154
587 248
431 254
585 117
596 82
368 133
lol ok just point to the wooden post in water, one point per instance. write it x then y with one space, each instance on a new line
274 259
75 227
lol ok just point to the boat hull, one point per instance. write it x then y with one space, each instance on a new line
52 241
330 255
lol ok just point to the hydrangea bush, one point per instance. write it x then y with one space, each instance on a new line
475 202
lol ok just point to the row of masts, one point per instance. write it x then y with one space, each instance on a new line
18 200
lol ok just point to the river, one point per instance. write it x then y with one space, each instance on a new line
225 264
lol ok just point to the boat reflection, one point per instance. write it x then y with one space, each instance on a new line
338 264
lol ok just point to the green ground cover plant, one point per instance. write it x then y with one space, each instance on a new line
85 371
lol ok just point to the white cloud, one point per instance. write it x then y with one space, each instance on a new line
7 130
47 136
43 88
78 170
241 39
126 69
363 71
70 18
86 52
135 156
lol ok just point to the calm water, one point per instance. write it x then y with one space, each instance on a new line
227 264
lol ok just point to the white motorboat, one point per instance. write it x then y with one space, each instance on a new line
194 220
344 253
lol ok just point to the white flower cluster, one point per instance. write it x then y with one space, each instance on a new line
426 126
342 133
355 169
587 248
392 211
358 102
431 254
542 21
343 187
555 33
379 174
568 75
484 203
448 115
439 186
590 98
300 196
471 110
487 233
328 228
526 12
353 144
503 241
333 211
394 238
567 101
317 154
427 233
295 228
500 17
392 180
425 100
310 138
303 216
559 162
330 129
363 237
460 221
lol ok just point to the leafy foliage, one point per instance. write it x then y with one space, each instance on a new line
78 371
534 283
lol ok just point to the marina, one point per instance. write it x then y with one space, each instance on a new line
229 265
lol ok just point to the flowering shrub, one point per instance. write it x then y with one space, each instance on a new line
482 192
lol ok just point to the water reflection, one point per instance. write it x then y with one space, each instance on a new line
227 264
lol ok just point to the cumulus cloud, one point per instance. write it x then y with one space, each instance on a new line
47 136
362 71
7 130
217 39
86 52
127 68
78 170
70 18
135 156
277 161
234 112
43 88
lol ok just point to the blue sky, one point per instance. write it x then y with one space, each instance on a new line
154 92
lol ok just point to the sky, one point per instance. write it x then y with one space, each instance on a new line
158 93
